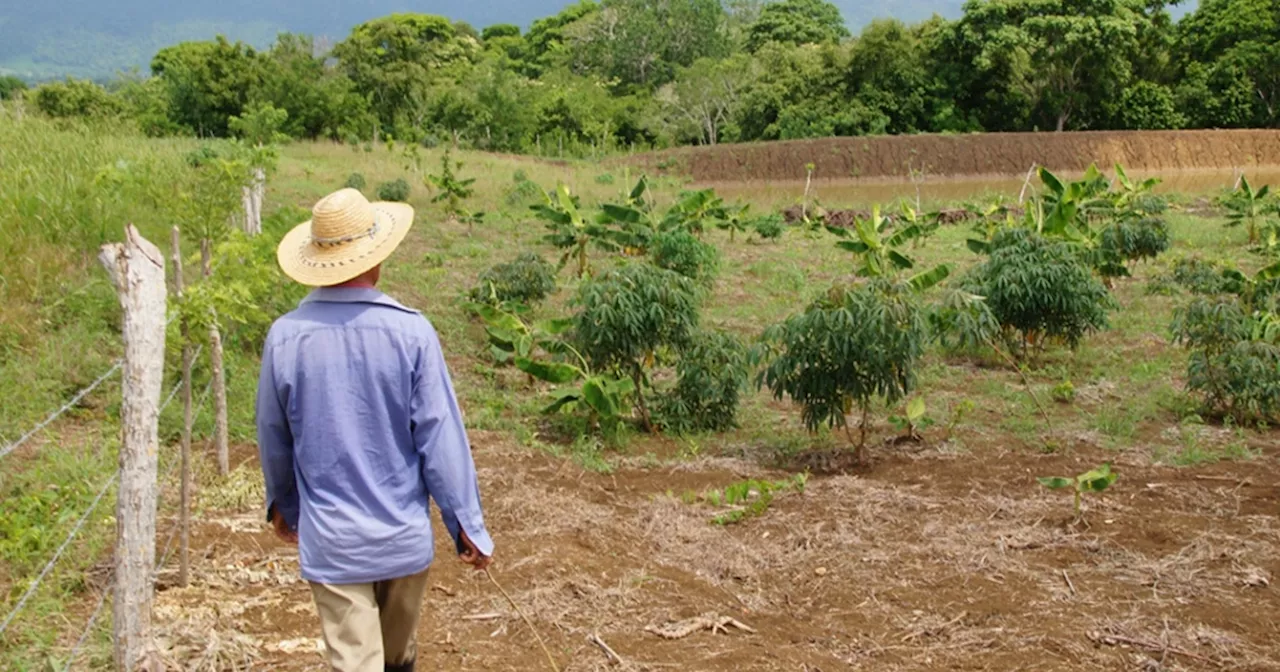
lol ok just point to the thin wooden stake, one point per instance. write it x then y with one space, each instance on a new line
184 506
550 659
219 374
136 267
1026 183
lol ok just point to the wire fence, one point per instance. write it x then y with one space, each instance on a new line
44 572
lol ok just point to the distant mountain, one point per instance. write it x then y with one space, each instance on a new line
97 38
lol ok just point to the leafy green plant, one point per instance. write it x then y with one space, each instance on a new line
452 191
880 252
686 254
572 232
749 498
626 316
522 189
540 351
396 191
355 181
1039 289
711 373
527 280
693 211
1096 481
1251 208
912 421
1064 392
736 220
1234 363
769 227
849 349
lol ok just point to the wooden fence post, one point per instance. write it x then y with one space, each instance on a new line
184 510
219 374
251 198
136 267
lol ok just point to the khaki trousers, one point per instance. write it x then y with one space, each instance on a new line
370 626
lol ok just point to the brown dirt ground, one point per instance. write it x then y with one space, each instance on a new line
926 561
974 154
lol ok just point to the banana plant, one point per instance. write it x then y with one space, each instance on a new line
532 347
1251 289
694 210
1251 208
1096 480
878 250
572 232
736 220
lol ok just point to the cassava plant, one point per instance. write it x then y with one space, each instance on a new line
710 375
628 316
453 191
686 254
527 280
849 350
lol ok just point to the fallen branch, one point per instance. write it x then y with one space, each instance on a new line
550 659
1070 585
483 617
1113 640
608 652
713 622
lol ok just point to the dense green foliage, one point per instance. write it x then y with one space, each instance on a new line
601 76
847 350
396 190
686 254
628 315
1235 356
1040 289
526 280
711 375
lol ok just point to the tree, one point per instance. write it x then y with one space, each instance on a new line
1146 106
797 22
889 71
1231 51
208 82
1046 63
640 43
394 59
704 97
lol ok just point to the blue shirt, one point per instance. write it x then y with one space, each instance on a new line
357 426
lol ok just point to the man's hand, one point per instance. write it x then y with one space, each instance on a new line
285 534
472 555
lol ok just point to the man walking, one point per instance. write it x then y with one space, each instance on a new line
357 426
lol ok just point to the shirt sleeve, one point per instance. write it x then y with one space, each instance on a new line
441 440
275 444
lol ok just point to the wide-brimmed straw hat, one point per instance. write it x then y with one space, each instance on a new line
346 236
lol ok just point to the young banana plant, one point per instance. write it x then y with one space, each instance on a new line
878 249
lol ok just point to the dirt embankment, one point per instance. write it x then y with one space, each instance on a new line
978 154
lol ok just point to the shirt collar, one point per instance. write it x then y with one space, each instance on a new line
354 295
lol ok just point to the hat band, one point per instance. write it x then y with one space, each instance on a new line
326 242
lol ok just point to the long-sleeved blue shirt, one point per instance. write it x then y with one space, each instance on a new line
357 426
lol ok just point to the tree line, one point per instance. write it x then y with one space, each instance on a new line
608 75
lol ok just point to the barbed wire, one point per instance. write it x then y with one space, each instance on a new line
102 599
31 589
66 407
75 400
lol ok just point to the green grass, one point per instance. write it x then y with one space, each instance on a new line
60 328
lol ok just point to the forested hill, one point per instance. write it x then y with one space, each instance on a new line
97 38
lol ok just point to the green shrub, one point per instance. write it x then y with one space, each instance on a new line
203 155
355 181
848 350
684 253
1133 241
627 315
77 98
529 279
711 374
1235 357
397 191
769 227
1040 289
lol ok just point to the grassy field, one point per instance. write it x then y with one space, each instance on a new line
870 568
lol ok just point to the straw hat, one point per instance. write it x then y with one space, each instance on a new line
347 235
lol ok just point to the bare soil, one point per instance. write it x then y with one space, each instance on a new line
924 561
975 154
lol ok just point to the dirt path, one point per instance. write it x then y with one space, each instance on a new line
927 562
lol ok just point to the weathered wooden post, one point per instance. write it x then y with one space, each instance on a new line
136 267
219 374
251 198
184 510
